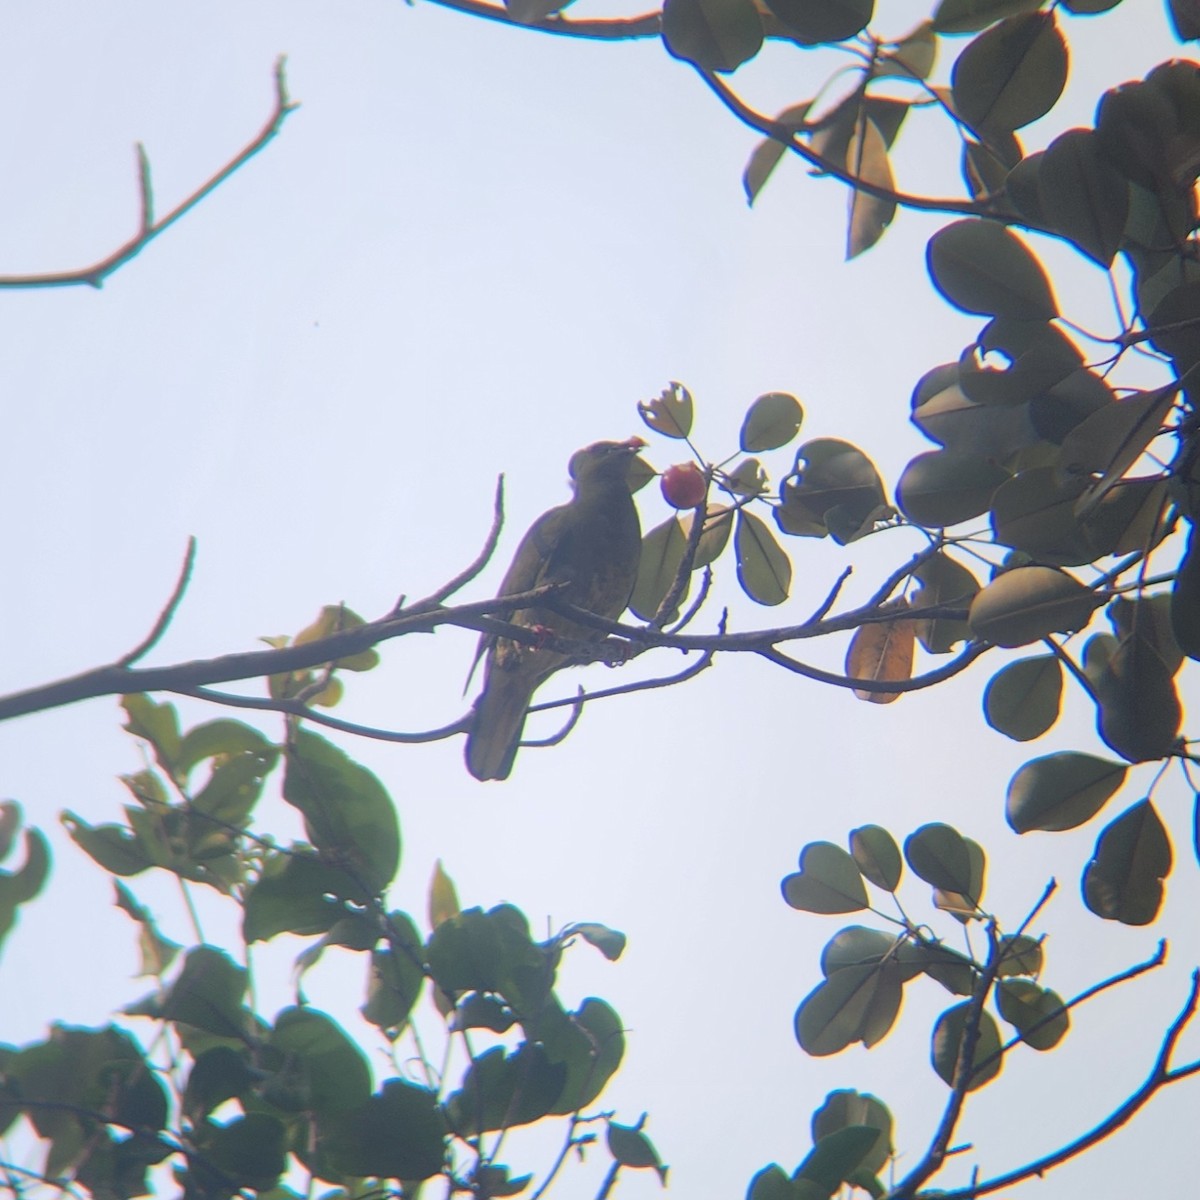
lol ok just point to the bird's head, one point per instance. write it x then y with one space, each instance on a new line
604 460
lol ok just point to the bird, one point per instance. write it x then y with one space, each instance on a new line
593 545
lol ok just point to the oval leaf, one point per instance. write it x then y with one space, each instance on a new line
1124 880
948 1036
1023 699
763 570
1061 791
1025 604
771 421
1011 74
877 856
980 267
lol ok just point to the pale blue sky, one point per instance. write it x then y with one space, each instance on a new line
473 250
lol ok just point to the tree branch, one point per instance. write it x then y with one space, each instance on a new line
148 227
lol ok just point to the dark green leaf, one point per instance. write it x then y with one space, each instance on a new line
846 1109
1027 603
970 16
663 549
943 487
398 1133
718 35
208 994
945 582
771 421
632 1148
834 488
1061 791
836 1157
938 853
1124 880
763 569
1011 74
877 856
855 1004
1083 195
817 21
1023 699
828 881
949 1037
981 267
1035 1012
347 813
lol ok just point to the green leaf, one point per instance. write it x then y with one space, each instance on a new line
877 856
395 978
771 421
836 1157
763 569
772 1183
769 153
1023 699
981 267
1027 603
939 854
208 994
157 952
294 893
20 886
589 1044
113 847
632 1148
837 490
970 16
945 582
398 1133
1113 438
828 881
347 812
217 1075
610 942
818 21
1083 195
220 738
157 724
500 1091
855 1004
663 549
944 487
1020 955
870 215
324 1070
1061 791
949 1035
1012 74
670 413
443 897
1124 879
717 35
857 946
1036 1013
846 1109
1139 708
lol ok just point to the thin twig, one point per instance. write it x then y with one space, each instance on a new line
1161 1075
169 609
294 708
149 229
472 570
823 610
642 685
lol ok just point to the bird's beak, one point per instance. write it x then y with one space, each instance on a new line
634 444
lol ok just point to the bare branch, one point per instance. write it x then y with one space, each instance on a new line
169 609
148 227
295 708
647 25
1161 1075
467 574
642 685
887 687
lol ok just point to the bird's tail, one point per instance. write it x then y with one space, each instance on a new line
497 725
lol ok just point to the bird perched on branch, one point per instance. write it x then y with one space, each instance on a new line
591 544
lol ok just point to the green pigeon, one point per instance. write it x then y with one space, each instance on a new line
593 543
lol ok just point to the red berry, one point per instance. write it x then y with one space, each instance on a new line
684 485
